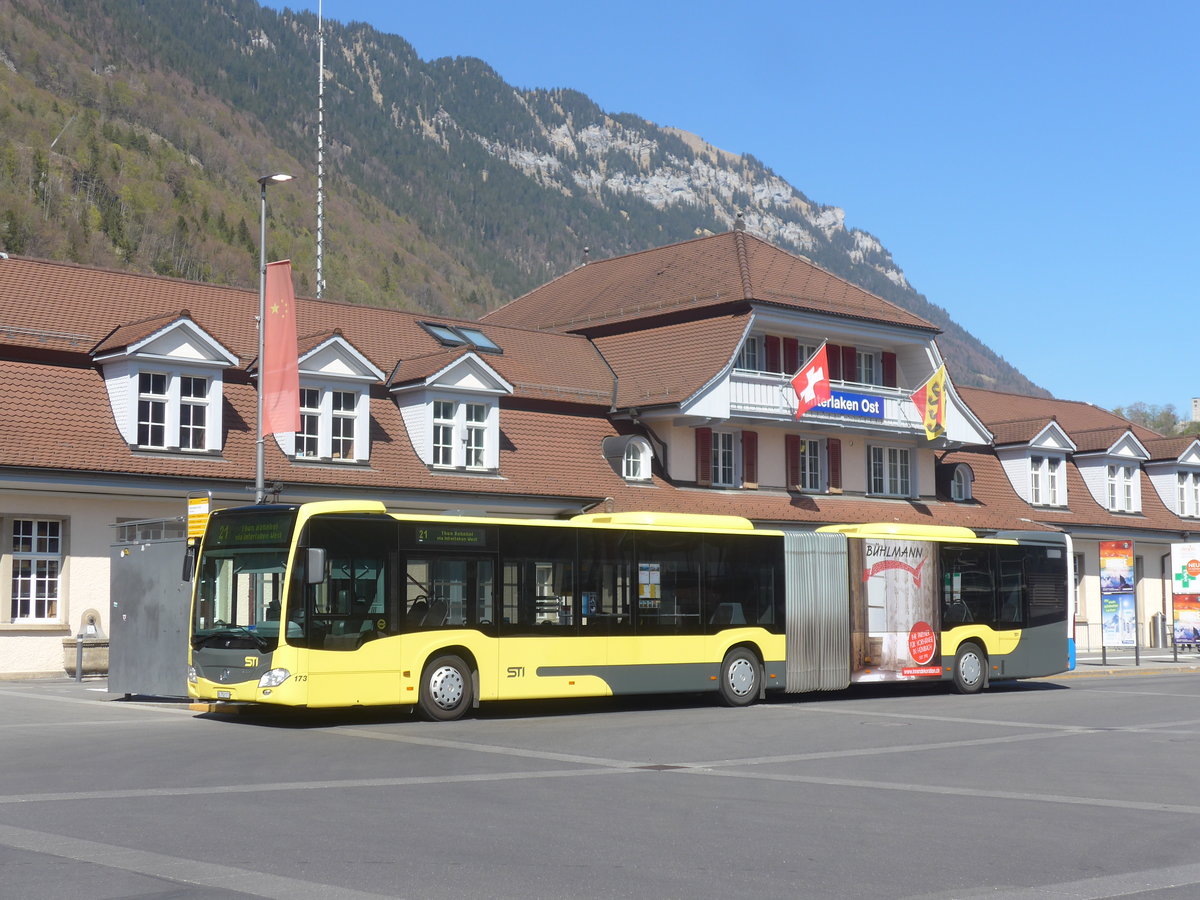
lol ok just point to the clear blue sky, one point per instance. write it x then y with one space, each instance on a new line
1032 166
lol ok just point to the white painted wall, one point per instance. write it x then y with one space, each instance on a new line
37 649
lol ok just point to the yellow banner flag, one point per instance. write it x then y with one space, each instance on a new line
930 399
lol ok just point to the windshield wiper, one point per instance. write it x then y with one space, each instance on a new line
221 628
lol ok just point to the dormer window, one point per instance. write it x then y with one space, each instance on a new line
335 403
629 455
164 380
1046 482
450 404
960 483
1188 494
1121 493
176 402
460 432
329 421
636 465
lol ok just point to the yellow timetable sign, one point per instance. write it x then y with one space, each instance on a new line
199 505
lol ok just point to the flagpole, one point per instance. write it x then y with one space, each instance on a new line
260 482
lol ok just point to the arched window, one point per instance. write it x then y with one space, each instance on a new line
960 484
636 466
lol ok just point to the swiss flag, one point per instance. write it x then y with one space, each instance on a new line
811 383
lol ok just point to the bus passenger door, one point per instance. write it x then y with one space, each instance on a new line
353 656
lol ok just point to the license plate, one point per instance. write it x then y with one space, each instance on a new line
223 695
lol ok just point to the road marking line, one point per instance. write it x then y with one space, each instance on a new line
174 868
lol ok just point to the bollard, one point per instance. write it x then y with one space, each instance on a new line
79 657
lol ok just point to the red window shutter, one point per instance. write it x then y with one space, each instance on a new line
750 458
791 356
791 450
849 364
833 450
834 354
771 343
889 369
704 457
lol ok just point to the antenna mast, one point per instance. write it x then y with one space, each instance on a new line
321 154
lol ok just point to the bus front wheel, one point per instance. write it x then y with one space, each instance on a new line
740 677
970 669
445 689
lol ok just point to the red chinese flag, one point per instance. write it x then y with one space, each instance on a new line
811 383
279 370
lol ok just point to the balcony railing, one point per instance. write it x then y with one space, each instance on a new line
770 395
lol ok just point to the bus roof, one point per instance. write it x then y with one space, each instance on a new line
906 532
667 520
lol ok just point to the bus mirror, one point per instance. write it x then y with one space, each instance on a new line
189 562
314 568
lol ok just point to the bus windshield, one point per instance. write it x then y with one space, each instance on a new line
240 582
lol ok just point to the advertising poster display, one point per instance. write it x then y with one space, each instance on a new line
894 610
1118 599
1185 594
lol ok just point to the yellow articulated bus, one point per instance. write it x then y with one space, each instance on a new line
339 603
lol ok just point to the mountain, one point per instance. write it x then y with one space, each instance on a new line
134 132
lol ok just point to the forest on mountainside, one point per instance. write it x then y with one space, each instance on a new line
132 135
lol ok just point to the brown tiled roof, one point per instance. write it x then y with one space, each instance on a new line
1016 432
697 351
124 335
58 417
1169 448
996 409
59 306
734 267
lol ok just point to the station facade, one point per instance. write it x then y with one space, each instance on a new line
660 380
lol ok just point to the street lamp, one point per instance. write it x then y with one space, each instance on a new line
260 488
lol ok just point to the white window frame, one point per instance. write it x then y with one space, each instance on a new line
889 471
1046 485
331 416
809 466
867 367
343 413
750 356
193 434
724 459
1188 494
463 434
152 405
635 464
475 435
960 483
166 419
47 556
308 438
1120 487
443 433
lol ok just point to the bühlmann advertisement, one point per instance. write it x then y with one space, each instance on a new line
894 610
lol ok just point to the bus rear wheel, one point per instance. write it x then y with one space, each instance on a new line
970 669
446 689
740 677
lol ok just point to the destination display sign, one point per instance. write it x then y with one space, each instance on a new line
259 530
451 536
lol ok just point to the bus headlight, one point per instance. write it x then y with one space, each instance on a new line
193 678
274 678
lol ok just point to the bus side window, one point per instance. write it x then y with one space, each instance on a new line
969 586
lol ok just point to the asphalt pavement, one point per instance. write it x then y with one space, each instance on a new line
1066 787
